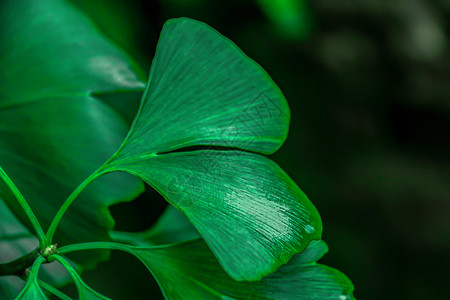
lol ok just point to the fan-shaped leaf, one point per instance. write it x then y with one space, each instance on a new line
203 90
251 214
190 271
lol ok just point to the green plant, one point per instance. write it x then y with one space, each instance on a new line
60 124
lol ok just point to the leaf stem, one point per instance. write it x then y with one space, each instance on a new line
18 266
94 246
73 273
62 210
28 211
53 290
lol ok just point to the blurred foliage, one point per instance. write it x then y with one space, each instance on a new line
368 87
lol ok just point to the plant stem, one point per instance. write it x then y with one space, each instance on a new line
94 246
28 211
18 266
51 230
53 290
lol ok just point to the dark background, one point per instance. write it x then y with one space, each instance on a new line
367 82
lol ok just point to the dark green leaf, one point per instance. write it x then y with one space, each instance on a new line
203 90
251 214
190 271
53 134
47 153
48 48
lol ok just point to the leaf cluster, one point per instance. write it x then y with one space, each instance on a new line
244 229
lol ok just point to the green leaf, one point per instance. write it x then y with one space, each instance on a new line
189 270
53 132
203 90
251 214
32 291
84 291
48 48
45 152
16 241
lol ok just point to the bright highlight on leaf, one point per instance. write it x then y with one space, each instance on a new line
248 210
55 130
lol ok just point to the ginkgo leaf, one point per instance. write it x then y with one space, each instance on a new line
16 241
55 50
32 290
53 131
251 214
46 154
84 291
203 90
189 270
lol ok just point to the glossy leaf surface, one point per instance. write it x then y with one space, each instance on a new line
203 90
16 241
251 214
53 133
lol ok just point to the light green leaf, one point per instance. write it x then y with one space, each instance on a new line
16 241
32 291
84 291
203 90
251 214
